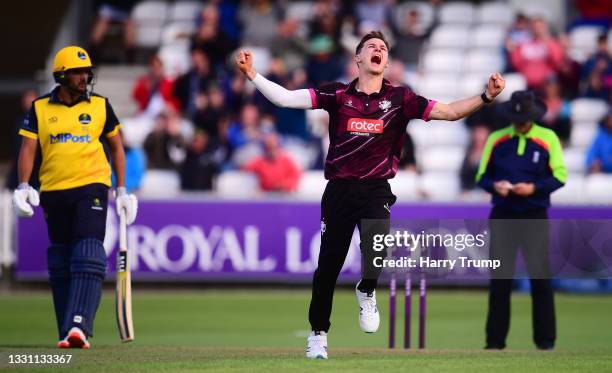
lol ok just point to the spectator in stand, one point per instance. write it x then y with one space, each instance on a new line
597 71
113 11
151 84
234 91
601 53
539 58
599 157
166 145
376 12
599 81
190 88
487 116
396 73
407 160
290 122
202 163
289 46
411 37
211 39
569 71
469 168
520 32
323 66
259 19
247 129
210 117
351 72
275 169
557 116
27 97
135 166
325 21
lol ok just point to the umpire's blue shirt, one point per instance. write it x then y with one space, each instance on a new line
534 157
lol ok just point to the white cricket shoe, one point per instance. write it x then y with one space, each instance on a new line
317 345
369 318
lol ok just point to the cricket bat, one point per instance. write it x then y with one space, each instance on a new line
123 300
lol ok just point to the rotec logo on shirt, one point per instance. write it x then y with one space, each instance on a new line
365 127
62 138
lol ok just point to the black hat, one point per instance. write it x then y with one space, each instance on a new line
522 107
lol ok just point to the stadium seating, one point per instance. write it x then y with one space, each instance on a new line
425 12
582 136
514 82
178 32
583 41
483 61
588 110
463 50
573 192
160 183
300 10
496 13
443 61
237 184
441 87
597 188
440 186
442 159
461 12
312 185
175 58
185 11
405 186
149 17
472 84
450 36
575 160
488 36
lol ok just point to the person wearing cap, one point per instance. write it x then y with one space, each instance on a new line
69 125
521 165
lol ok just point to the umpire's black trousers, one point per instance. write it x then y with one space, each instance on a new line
529 231
345 204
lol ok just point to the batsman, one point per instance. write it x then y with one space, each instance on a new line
72 126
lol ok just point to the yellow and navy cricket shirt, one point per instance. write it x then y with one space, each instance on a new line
70 138
534 157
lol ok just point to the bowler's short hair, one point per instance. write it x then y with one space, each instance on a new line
371 35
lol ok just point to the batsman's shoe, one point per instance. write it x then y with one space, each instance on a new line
77 339
63 343
369 318
317 345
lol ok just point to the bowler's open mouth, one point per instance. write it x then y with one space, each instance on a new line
376 59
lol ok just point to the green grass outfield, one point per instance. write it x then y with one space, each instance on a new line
265 330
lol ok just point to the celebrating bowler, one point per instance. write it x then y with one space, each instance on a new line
367 127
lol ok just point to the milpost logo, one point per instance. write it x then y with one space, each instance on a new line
365 127
63 138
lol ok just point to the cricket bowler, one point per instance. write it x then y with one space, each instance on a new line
367 127
70 125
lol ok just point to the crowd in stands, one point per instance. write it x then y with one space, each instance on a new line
207 119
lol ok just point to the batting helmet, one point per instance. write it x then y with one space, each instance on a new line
69 58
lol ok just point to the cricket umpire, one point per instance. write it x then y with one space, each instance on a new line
522 164
71 126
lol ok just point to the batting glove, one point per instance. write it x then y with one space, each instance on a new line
128 203
24 197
